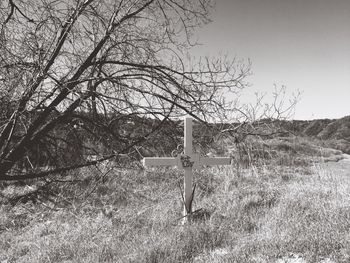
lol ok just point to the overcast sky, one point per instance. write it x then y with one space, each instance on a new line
303 44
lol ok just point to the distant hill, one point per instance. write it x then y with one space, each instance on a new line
334 132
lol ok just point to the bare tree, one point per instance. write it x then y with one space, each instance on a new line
91 67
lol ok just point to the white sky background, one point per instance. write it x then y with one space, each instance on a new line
302 44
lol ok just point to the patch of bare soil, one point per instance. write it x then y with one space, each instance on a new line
341 166
346 157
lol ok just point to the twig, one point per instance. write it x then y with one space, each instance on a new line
189 214
13 7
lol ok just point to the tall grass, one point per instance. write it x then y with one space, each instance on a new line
265 214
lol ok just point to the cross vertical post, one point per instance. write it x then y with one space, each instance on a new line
188 174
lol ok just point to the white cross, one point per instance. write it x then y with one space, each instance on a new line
187 162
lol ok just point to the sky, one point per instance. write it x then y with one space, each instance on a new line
302 44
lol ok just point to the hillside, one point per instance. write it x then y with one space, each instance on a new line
334 133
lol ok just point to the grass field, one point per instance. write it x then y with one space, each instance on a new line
273 212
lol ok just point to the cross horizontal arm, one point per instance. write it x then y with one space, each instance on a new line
159 161
215 160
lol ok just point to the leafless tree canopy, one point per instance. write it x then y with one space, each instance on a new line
67 62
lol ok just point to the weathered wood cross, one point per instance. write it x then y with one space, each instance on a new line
187 161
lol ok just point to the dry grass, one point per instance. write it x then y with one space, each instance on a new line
263 215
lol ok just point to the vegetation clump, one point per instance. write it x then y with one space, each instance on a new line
257 213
